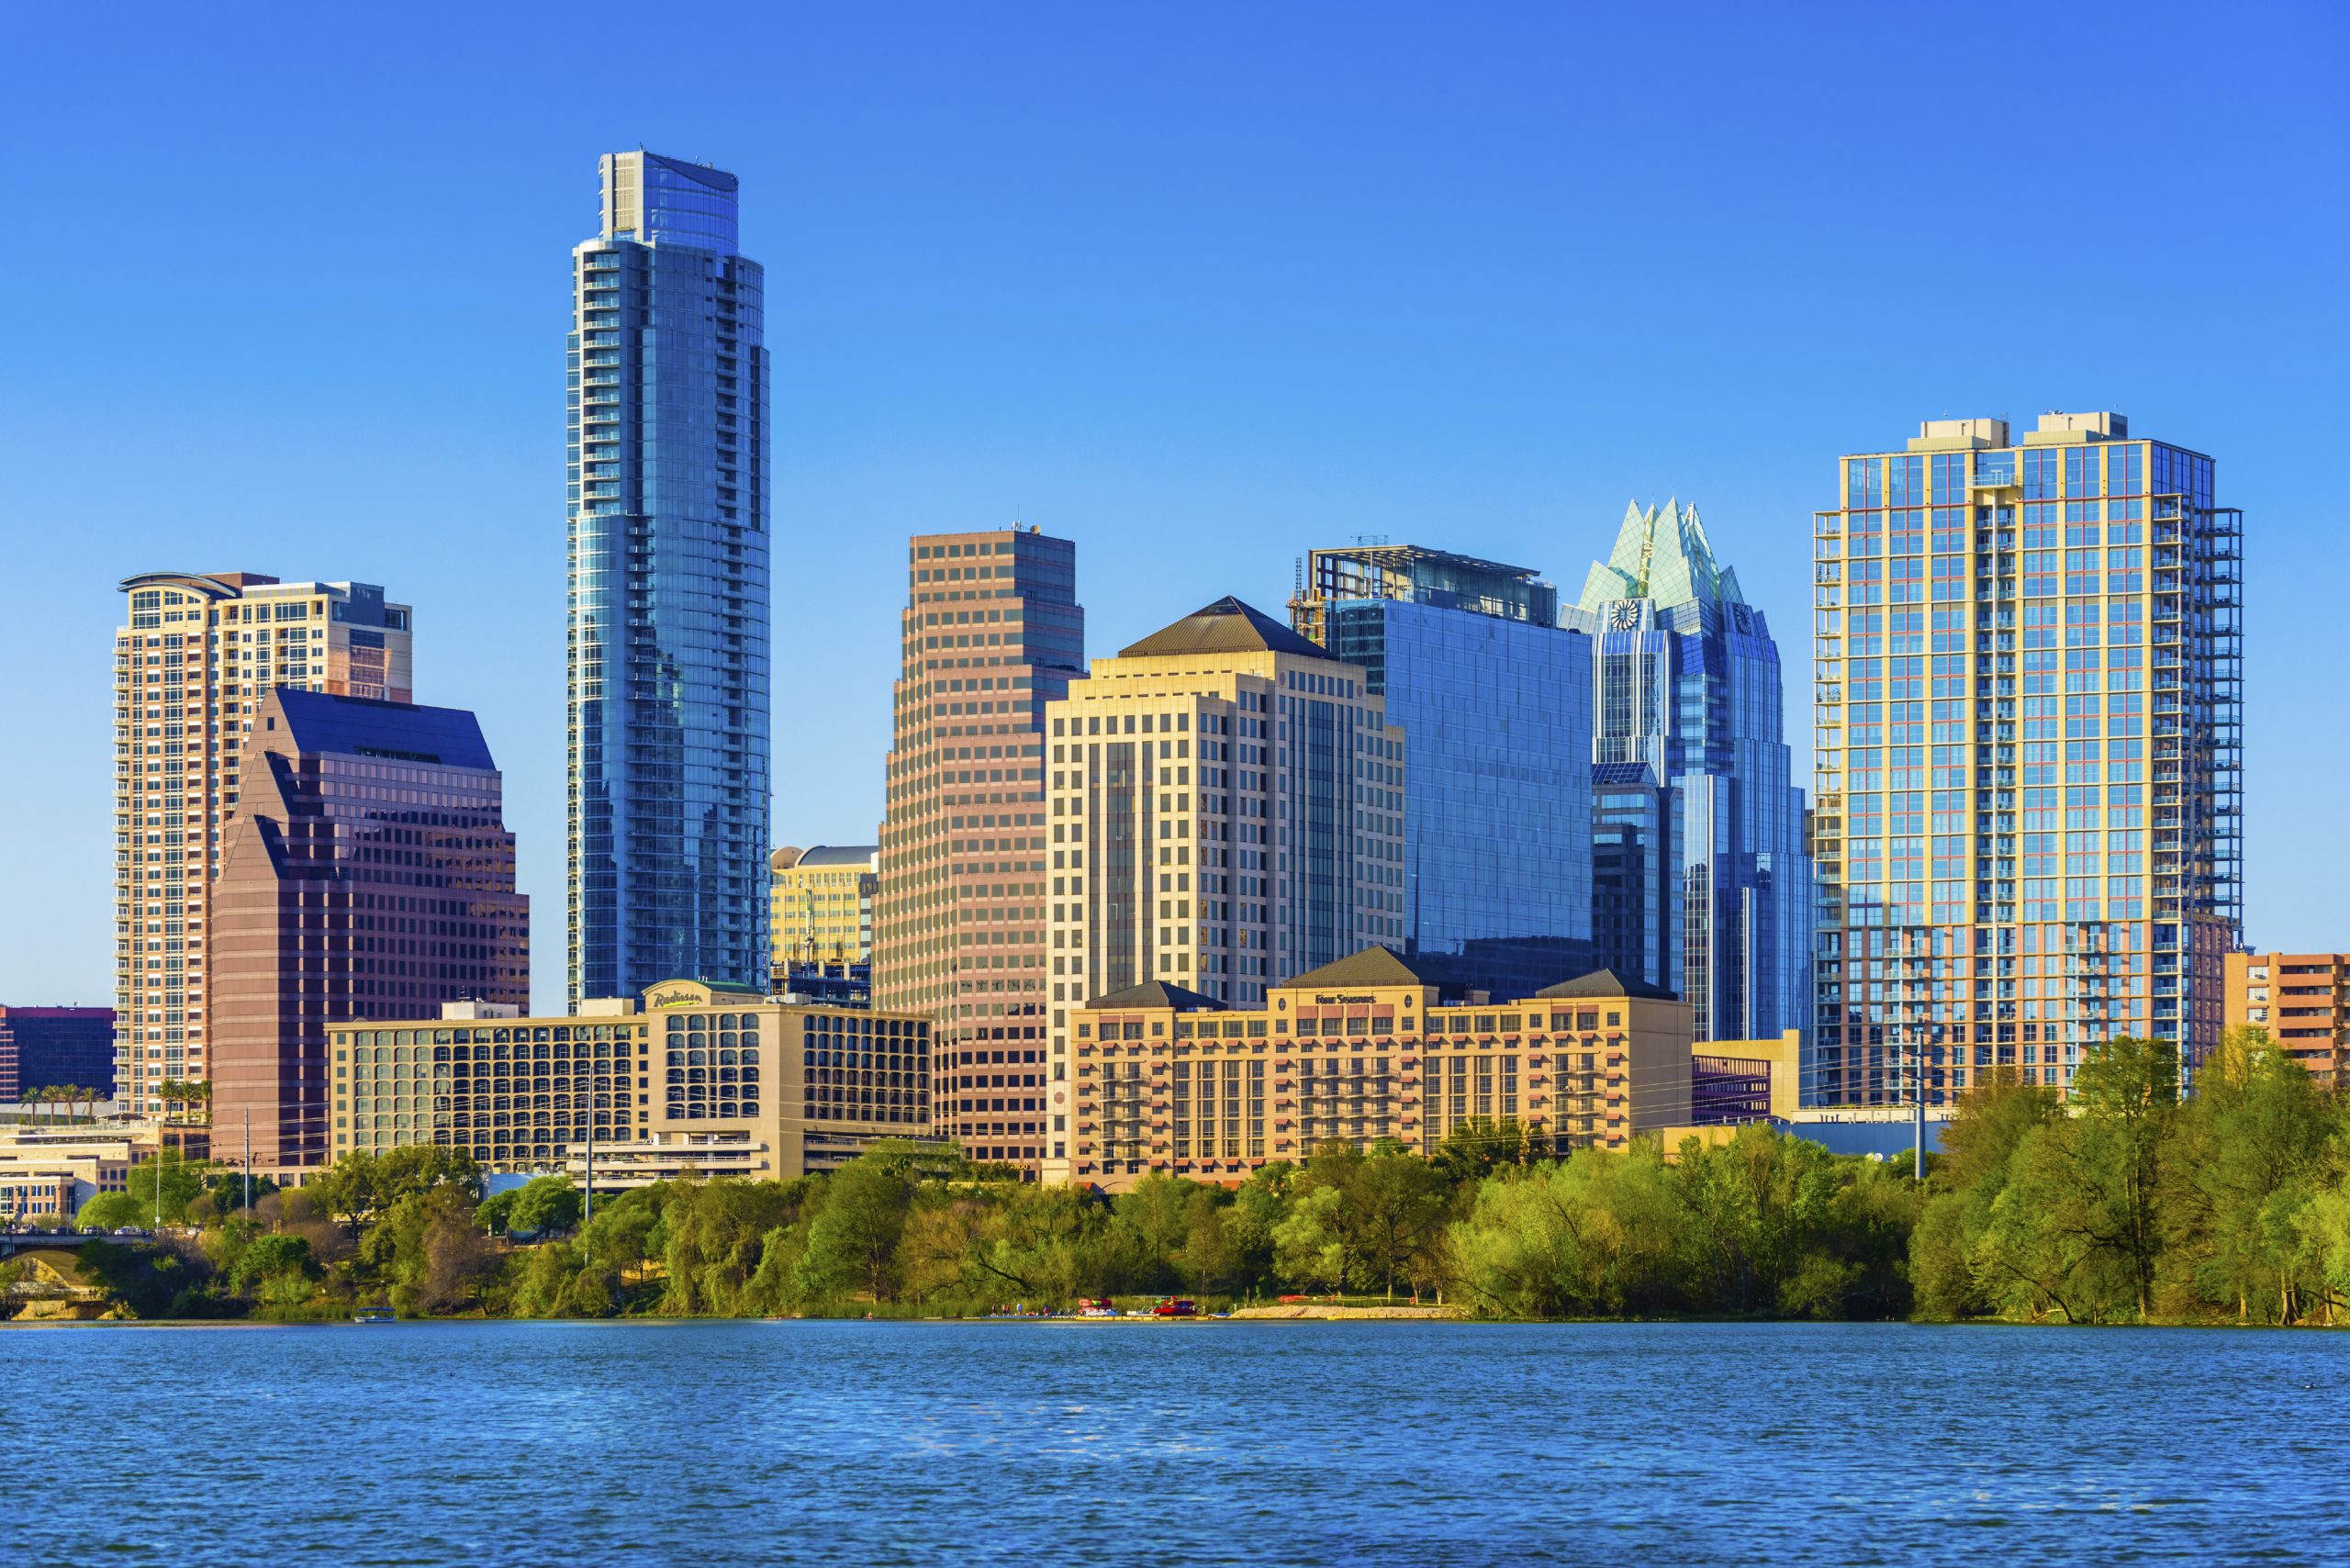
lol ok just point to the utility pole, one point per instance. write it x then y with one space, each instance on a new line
1918 1075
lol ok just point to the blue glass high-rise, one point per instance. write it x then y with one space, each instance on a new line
666 625
1494 701
1704 885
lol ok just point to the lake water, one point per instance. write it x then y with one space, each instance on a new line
1113 1444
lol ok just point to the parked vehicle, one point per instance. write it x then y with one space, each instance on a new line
1176 1306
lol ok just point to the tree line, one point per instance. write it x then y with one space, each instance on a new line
2127 1203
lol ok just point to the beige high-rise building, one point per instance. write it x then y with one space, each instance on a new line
991 633
192 663
820 904
1227 807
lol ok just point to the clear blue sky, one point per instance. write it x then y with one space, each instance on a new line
1200 287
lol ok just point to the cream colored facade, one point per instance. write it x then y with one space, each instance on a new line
780 1088
1364 1050
192 662
820 904
57 1169
1225 803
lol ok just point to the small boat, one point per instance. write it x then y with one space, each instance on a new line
375 1315
1176 1306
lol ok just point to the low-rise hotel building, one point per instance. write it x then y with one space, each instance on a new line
1364 1050
772 1088
55 1171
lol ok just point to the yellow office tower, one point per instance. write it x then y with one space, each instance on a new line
1227 811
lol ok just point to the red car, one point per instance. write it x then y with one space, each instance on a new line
1176 1306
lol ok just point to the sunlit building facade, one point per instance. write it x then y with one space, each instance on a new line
666 625
819 906
2302 1000
368 871
1703 885
2029 755
686 1078
1494 701
991 633
194 657
1370 1049
1227 807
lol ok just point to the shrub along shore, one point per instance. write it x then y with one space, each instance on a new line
2125 1205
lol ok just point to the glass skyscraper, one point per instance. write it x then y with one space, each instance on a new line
2029 751
1703 883
666 626
1494 700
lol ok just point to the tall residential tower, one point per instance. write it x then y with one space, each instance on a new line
992 631
667 615
1702 881
2030 803
198 656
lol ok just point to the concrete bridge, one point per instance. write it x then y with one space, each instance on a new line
14 1242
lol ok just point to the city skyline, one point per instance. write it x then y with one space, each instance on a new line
1522 445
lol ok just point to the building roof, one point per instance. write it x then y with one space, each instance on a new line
1157 994
1372 966
1607 982
321 722
1661 554
1228 626
786 856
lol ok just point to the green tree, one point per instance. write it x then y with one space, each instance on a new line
546 1205
1480 1145
276 1271
1593 1235
1310 1245
2127 1091
181 1179
1953 1276
852 1240
2247 1154
1755 1210
363 1183
1398 1201
111 1211
1150 1224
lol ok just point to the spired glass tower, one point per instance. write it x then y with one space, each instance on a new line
667 628
1703 884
